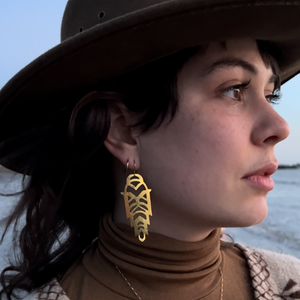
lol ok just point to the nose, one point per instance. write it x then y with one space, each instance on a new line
270 128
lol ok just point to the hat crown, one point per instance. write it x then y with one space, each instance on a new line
81 15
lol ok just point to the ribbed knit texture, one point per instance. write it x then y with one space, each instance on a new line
159 268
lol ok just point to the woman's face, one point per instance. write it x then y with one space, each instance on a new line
210 166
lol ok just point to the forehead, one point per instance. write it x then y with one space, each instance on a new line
243 52
237 47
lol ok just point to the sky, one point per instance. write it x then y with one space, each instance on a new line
31 27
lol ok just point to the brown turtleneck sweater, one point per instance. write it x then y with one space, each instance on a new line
159 268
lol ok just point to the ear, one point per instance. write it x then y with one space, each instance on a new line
120 141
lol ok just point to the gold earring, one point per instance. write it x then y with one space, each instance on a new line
138 207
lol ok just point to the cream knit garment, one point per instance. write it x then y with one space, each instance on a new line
274 275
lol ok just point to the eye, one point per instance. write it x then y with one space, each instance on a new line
235 92
274 98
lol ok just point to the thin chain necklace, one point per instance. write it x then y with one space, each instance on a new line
136 294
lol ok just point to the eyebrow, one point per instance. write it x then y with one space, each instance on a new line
274 79
237 62
231 63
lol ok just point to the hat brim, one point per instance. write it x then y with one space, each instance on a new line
118 46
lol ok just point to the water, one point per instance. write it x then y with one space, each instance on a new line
9 183
279 231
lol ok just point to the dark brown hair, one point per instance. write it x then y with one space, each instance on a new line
68 192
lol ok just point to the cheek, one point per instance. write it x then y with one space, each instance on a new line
215 150
195 148
212 135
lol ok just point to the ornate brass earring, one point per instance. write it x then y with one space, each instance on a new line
138 207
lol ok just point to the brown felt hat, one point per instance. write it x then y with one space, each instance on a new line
105 39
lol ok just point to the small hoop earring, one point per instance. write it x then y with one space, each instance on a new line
138 207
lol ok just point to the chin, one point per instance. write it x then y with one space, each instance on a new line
251 221
249 216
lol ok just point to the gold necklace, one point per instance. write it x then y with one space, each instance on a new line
136 294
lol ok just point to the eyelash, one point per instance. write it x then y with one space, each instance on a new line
275 97
271 98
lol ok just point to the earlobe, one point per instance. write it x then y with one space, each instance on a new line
120 141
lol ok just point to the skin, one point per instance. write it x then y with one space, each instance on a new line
196 165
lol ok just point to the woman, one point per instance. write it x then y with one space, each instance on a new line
178 94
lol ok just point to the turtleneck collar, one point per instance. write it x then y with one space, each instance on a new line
158 265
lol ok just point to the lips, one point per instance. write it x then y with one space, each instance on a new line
267 170
260 178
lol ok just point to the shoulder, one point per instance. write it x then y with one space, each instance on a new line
50 291
274 275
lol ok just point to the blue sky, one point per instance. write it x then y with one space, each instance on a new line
29 28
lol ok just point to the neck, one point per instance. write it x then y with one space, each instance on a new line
168 223
165 220
156 266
